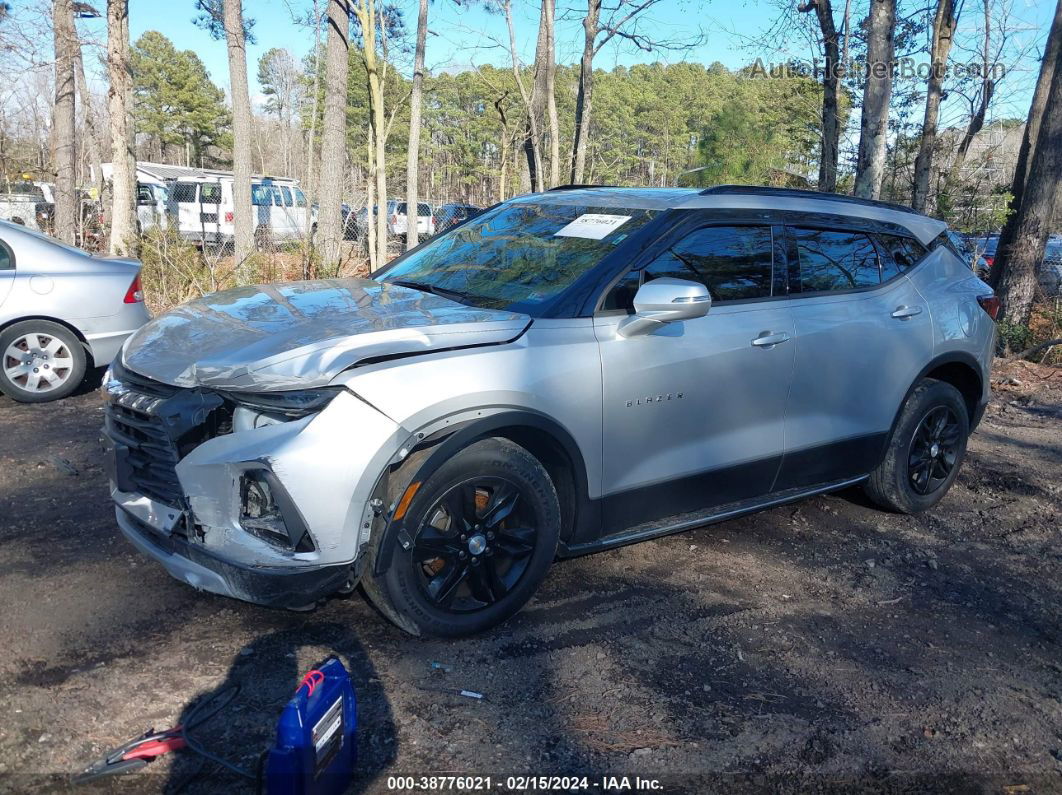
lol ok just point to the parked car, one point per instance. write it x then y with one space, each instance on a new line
27 204
62 311
361 220
450 215
571 371
152 199
985 246
977 263
203 210
1050 275
398 220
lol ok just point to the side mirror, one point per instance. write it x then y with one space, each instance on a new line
663 301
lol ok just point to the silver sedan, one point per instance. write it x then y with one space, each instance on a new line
62 311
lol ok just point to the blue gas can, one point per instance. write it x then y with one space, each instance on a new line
316 736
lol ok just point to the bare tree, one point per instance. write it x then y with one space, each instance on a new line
334 134
243 219
120 109
1018 262
945 20
413 152
1028 143
877 91
548 65
598 31
63 125
366 13
831 79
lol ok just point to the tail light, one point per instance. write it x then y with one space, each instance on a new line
135 293
394 219
991 304
100 218
990 259
229 217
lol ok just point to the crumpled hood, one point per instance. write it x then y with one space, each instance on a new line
302 334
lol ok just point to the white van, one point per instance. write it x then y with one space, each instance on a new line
204 210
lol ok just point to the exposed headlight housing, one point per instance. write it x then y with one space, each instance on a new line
258 409
292 404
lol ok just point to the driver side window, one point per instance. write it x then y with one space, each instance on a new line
734 262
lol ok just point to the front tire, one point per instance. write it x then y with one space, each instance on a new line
40 361
925 451
484 530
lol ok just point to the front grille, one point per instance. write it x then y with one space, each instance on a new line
150 455
153 426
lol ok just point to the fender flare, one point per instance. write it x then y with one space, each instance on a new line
449 441
952 357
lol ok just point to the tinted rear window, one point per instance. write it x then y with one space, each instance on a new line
900 254
184 191
835 260
210 193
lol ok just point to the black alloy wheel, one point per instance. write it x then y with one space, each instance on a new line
474 544
934 450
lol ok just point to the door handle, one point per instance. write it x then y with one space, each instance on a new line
906 311
767 340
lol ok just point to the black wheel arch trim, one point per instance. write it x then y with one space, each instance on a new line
447 442
952 357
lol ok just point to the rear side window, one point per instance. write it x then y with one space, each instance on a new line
835 260
901 253
287 195
300 198
261 195
733 262
7 259
184 191
210 193
400 208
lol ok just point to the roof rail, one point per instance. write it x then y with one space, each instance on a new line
577 187
763 190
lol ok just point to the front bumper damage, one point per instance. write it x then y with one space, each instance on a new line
178 475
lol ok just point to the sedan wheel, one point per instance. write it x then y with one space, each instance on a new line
40 361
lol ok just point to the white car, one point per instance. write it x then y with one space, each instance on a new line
398 221
205 211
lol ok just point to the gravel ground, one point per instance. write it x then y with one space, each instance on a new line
824 645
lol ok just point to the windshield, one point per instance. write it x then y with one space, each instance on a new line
519 255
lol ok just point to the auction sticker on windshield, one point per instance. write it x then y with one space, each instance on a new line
593 226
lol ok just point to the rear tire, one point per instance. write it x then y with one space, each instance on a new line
925 451
40 361
485 528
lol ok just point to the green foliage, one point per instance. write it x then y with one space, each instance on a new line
176 102
211 20
737 148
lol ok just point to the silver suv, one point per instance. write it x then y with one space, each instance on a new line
565 373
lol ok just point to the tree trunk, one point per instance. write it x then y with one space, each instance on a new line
534 138
334 135
413 152
95 145
945 21
550 85
311 184
831 123
66 46
241 136
1018 263
120 109
877 91
365 11
1029 138
583 100
530 142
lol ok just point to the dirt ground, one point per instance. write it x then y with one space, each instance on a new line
824 645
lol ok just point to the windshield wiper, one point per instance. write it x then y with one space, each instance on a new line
442 292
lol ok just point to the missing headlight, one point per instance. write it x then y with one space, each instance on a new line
266 511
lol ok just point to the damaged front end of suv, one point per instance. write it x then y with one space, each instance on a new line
235 462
